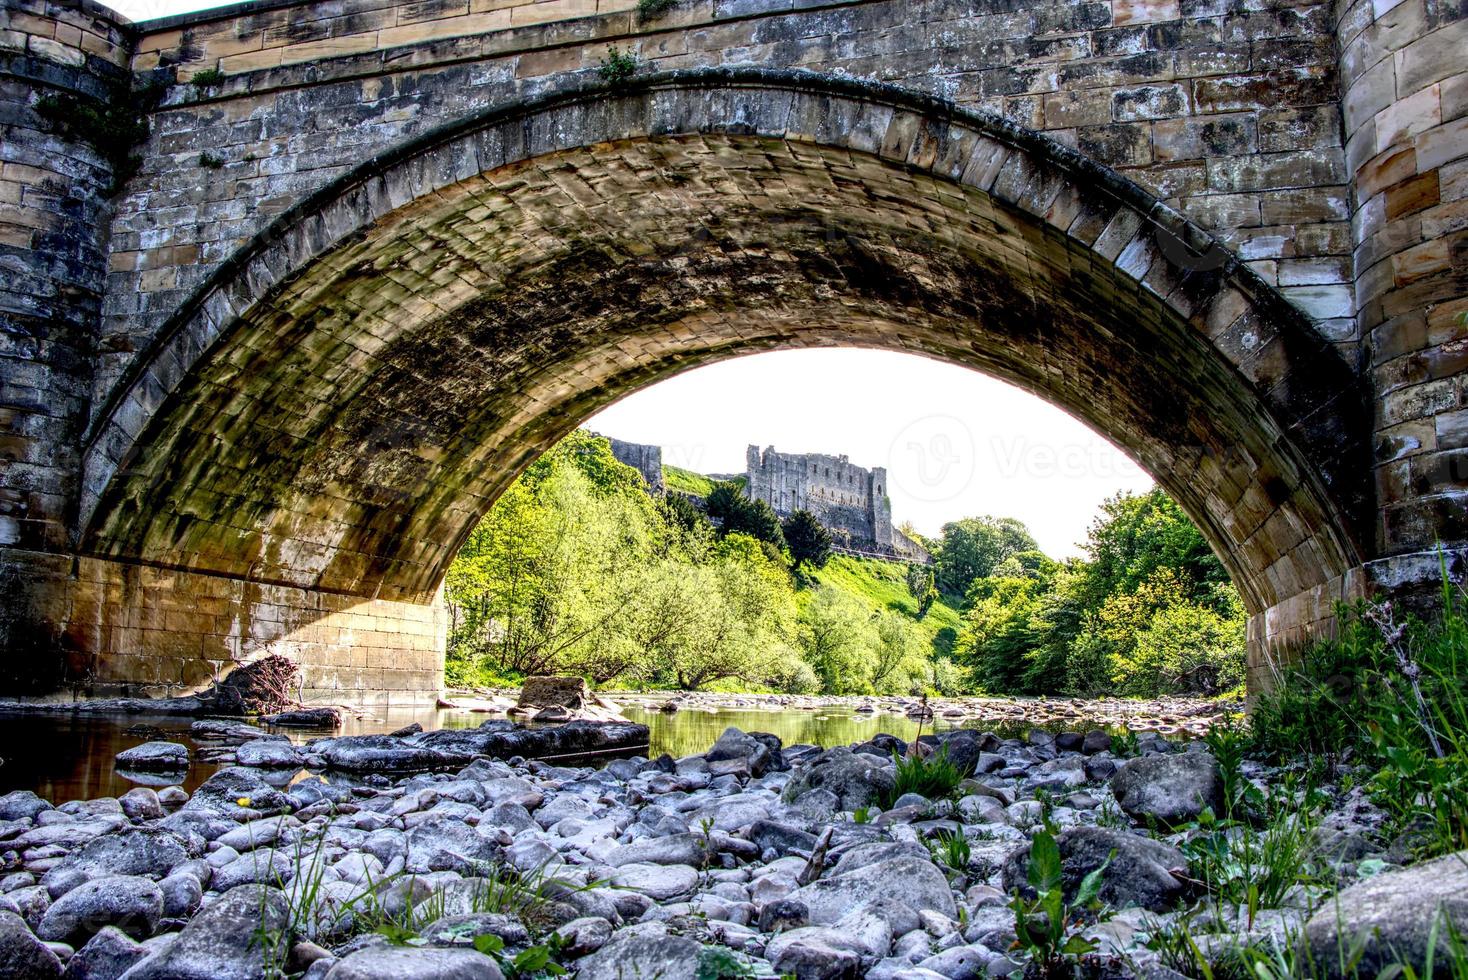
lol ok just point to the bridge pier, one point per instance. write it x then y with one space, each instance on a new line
131 629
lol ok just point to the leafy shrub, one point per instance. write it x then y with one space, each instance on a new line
618 65
1046 925
934 778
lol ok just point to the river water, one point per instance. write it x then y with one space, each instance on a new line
70 756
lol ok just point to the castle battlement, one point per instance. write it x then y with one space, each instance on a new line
850 501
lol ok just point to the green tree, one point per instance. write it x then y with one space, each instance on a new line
809 542
970 549
737 514
921 584
833 637
1000 631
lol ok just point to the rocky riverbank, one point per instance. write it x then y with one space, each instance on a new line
753 859
1165 716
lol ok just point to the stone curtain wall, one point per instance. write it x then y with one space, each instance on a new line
647 460
849 501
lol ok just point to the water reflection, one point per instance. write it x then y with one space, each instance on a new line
70 757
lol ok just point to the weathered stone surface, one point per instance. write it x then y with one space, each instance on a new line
131 903
1170 789
155 757
1295 139
220 942
21 953
1139 872
1390 917
399 963
855 778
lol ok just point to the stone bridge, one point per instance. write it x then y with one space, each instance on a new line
290 291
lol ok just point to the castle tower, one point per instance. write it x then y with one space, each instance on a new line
881 507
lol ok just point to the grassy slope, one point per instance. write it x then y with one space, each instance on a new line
882 585
677 478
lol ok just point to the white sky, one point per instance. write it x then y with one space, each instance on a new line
956 443
136 10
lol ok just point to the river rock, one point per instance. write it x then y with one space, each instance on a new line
130 902
1391 916
562 692
154 757
150 853
21 804
813 954
641 951
253 868
222 941
229 790
583 936
1171 789
182 894
1139 873
403 963
446 844
22 954
141 803
106 956
383 753
690 849
911 881
856 779
268 753
659 882
305 718
757 750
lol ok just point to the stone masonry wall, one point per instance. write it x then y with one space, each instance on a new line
54 213
645 459
1404 68
1228 112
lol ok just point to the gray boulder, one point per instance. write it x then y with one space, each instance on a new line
22 954
642 952
1139 873
911 881
857 779
659 882
21 804
735 744
151 853
1170 789
268 753
155 757
1391 917
813 954
404 963
222 941
106 956
182 894
445 844
130 902
690 849
222 792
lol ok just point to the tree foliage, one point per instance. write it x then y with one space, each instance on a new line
808 540
1151 612
972 547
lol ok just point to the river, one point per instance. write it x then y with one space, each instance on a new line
70 756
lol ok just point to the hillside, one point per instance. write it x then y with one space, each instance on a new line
882 585
686 481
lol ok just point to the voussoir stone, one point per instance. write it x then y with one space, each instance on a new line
1170 789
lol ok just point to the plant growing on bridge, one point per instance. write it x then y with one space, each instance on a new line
111 126
206 78
618 65
653 9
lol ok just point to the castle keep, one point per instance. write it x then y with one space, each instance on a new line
850 501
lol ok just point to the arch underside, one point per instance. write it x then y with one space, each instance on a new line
348 427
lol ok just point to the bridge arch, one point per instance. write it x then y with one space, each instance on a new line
342 400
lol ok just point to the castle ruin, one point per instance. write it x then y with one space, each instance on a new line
850 501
